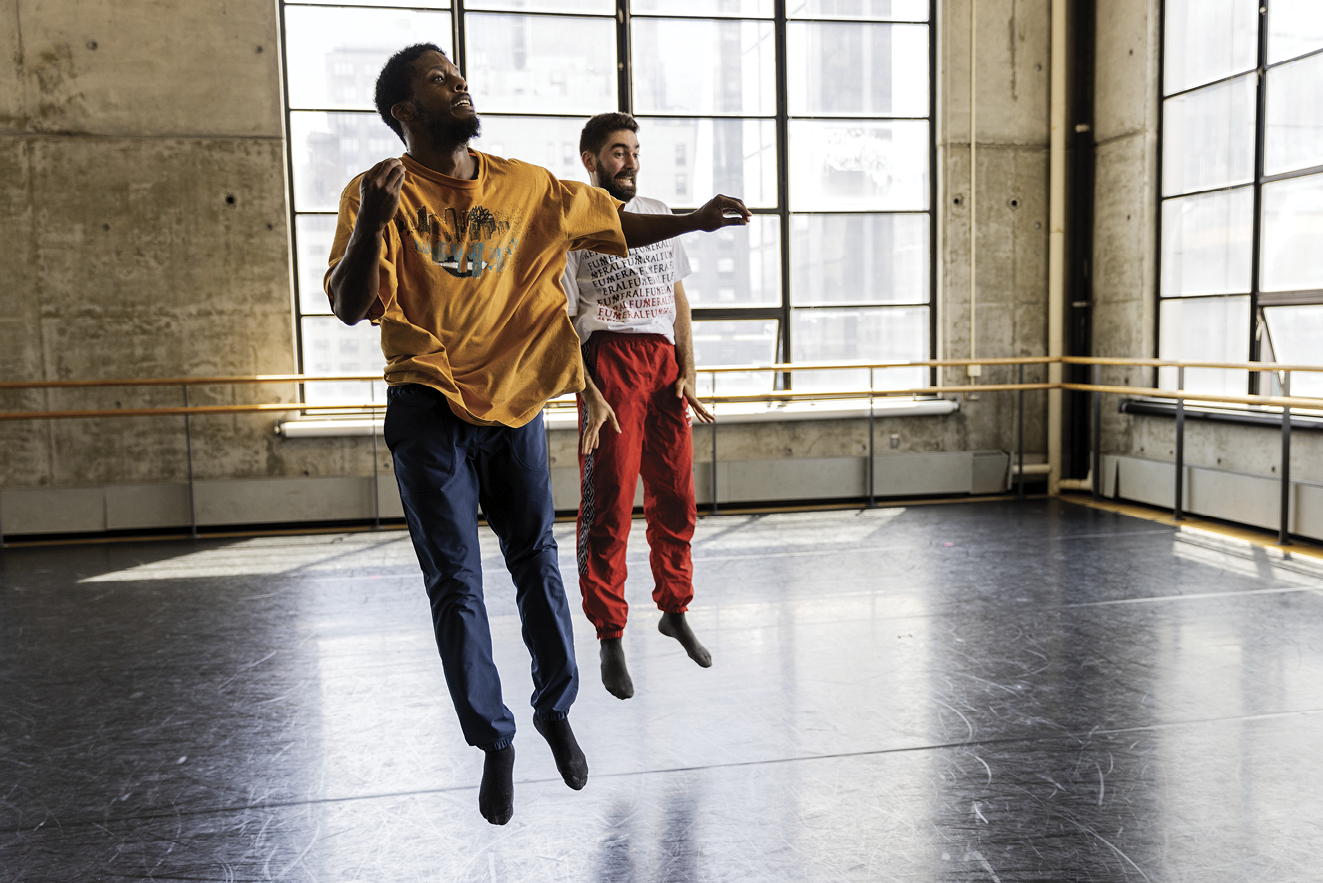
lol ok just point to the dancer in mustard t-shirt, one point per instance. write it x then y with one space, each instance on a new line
457 255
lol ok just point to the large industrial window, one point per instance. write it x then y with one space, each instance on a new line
1241 257
815 112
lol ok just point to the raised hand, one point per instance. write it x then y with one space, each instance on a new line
379 194
721 211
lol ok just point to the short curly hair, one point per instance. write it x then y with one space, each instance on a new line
596 130
395 82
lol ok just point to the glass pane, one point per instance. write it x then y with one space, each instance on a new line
602 7
1292 248
735 266
735 343
1294 28
859 259
858 166
1297 339
704 67
877 334
687 162
329 149
542 64
550 142
332 347
892 10
313 235
1206 329
1208 40
857 69
333 56
705 8
1295 117
1206 243
1208 137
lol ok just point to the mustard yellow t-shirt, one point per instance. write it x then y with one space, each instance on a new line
469 298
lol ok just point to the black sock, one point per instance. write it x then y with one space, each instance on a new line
615 674
674 625
565 749
496 796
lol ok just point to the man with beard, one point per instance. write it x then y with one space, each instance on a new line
457 255
633 319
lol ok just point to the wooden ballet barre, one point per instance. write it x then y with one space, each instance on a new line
778 368
775 396
1306 402
554 404
1256 367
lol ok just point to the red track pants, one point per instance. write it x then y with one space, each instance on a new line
636 373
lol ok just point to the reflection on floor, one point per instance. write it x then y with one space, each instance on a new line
980 691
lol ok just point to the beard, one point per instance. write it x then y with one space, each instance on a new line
452 131
623 186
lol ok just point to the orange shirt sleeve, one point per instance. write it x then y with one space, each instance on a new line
591 219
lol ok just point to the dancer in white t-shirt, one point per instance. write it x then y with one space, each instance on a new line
633 322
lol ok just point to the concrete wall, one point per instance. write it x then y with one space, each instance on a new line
1013 76
1125 198
145 228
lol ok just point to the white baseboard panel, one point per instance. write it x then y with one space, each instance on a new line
1242 497
27 511
905 474
33 511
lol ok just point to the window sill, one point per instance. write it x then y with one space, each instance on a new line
1246 415
743 412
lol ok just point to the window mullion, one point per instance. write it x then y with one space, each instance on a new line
1260 141
296 293
458 37
624 59
933 236
783 176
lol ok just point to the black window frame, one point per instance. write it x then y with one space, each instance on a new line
624 17
1258 299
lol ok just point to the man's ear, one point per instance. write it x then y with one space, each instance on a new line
404 111
589 160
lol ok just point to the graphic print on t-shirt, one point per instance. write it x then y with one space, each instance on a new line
636 287
464 244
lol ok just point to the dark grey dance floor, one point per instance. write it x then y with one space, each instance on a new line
979 691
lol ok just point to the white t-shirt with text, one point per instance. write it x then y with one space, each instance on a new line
633 295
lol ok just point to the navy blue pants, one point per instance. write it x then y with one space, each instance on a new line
446 468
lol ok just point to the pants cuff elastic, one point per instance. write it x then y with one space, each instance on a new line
551 715
683 608
499 744
608 635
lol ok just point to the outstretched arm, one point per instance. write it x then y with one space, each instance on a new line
720 211
353 284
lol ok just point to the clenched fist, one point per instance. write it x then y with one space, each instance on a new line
379 194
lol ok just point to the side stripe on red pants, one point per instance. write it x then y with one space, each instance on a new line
636 374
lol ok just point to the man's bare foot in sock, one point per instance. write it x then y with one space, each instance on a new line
496 796
673 625
571 763
615 674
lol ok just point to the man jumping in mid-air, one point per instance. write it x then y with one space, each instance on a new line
638 353
457 255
